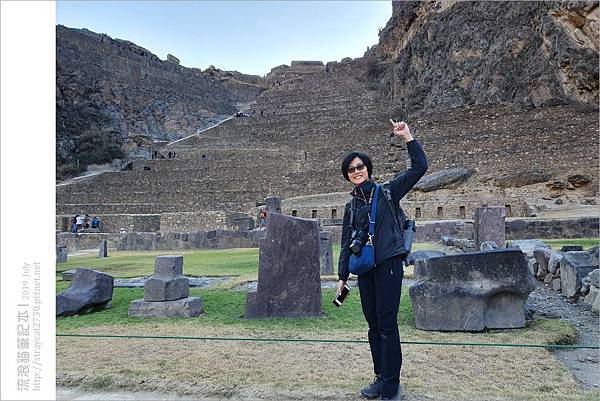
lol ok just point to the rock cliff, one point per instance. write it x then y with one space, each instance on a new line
444 54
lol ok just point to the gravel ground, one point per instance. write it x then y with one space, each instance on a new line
583 363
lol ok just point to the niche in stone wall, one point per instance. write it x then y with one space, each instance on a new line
440 212
314 213
508 211
294 212
462 212
333 213
417 213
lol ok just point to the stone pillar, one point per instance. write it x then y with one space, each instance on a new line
326 253
489 225
103 252
166 292
273 204
61 254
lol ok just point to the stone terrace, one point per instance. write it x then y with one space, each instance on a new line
311 116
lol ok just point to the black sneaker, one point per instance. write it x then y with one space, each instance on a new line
398 396
373 390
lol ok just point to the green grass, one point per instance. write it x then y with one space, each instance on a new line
226 308
587 243
242 262
222 262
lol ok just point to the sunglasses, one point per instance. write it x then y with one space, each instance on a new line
358 167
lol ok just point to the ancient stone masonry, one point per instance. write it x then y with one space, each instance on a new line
471 292
570 271
166 293
115 90
493 149
289 282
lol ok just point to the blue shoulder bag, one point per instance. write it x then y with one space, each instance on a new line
365 260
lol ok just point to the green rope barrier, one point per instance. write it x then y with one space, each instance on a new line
305 340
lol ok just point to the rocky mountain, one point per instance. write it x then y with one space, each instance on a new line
445 54
115 98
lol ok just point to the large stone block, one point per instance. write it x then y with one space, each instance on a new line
489 225
326 253
471 292
89 290
166 289
289 282
61 254
574 266
185 307
169 266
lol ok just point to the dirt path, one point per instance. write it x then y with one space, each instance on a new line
583 363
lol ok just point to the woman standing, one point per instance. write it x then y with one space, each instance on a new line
380 287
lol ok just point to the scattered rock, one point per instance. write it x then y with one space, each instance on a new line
90 290
527 245
574 266
579 180
521 179
450 178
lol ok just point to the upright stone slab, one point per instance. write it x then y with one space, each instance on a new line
273 204
573 267
326 253
61 254
489 225
103 252
90 290
471 291
289 282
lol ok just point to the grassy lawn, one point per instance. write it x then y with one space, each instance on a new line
587 243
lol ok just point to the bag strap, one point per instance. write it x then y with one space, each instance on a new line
388 198
373 214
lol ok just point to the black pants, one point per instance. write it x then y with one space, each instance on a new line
380 298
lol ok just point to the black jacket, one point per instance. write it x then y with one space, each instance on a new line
388 239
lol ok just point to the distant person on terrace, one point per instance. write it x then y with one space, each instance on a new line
380 287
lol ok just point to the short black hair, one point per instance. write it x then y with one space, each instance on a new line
351 156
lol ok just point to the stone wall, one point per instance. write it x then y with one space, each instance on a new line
165 222
427 231
423 210
214 239
585 227
75 242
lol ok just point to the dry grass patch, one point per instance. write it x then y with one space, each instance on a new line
317 371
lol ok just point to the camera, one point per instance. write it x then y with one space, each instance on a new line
357 241
337 301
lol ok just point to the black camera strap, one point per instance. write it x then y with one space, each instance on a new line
353 206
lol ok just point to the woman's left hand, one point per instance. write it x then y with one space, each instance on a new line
401 130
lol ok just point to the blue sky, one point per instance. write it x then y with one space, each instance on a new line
248 36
